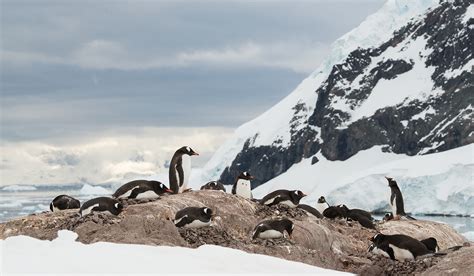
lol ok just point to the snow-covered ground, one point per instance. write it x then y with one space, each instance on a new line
433 183
26 255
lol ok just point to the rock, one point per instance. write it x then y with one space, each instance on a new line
321 242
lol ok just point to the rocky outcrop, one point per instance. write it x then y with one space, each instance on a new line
326 243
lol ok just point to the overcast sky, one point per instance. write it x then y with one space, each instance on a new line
75 71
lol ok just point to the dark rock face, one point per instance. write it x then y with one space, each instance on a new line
447 122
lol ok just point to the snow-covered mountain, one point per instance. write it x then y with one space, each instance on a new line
397 90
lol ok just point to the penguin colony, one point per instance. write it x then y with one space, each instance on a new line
396 247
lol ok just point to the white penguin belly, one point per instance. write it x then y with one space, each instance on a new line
394 206
271 200
147 194
401 254
243 188
379 251
321 207
88 210
197 223
186 164
270 234
288 203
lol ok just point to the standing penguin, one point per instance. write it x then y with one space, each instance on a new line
396 200
193 217
63 202
322 204
180 169
288 198
399 247
273 229
101 204
141 189
242 185
213 185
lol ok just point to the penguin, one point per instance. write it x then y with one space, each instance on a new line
333 212
387 217
286 197
396 200
359 217
310 210
63 202
140 189
101 204
321 205
400 247
363 217
213 185
273 229
193 217
242 185
431 244
180 169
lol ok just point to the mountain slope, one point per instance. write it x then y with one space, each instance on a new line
401 81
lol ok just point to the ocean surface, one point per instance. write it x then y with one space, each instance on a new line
17 201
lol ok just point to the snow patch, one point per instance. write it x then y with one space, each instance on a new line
64 255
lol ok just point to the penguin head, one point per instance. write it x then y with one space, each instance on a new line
321 199
246 176
207 212
213 185
391 182
161 188
378 238
288 226
431 244
388 216
187 150
118 206
297 195
51 207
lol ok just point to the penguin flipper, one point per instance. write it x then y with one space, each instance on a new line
183 221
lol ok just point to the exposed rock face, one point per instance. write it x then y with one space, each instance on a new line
331 244
438 45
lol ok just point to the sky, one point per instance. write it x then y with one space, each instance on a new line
119 85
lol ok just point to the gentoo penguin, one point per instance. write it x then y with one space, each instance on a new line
273 229
101 204
213 185
310 210
321 205
180 169
333 212
399 247
396 200
363 217
63 202
431 244
242 185
288 198
193 217
141 189
387 217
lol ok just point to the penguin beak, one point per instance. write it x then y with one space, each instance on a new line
304 194
195 153
251 177
169 191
